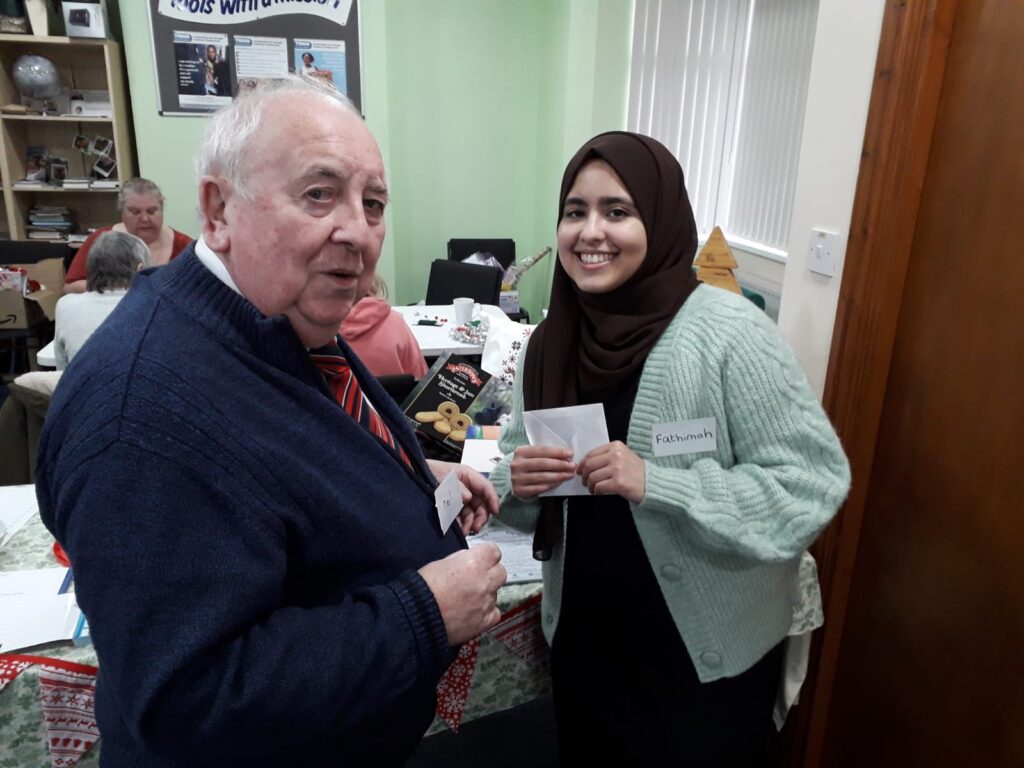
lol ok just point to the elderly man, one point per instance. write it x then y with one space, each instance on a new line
252 525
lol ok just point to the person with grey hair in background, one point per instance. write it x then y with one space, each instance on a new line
114 259
141 204
269 576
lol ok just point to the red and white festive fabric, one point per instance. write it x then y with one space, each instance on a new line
453 690
67 696
10 669
519 631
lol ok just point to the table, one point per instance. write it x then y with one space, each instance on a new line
507 667
47 356
434 340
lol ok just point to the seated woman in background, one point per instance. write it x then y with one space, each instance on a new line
114 259
142 214
381 337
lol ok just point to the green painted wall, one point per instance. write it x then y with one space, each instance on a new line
477 105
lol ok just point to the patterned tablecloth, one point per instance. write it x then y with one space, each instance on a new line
505 667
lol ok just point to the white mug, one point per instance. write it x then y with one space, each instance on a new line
463 310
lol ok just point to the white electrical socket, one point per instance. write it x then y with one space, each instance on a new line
823 252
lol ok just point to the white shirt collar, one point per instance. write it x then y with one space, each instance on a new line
215 264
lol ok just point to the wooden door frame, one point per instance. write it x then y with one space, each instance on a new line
904 104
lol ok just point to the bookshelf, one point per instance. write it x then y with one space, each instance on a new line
84 64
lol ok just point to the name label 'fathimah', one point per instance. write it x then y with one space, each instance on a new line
694 436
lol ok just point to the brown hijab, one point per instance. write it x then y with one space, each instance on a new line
591 344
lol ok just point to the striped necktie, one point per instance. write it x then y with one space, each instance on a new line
341 380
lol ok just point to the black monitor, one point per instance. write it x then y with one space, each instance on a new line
30 251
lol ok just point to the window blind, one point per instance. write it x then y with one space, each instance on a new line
723 84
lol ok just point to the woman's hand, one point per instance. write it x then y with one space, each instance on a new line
479 500
614 469
539 468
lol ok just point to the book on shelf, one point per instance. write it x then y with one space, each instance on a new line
106 184
44 234
49 222
77 182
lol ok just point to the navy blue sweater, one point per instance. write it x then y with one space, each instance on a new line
245 552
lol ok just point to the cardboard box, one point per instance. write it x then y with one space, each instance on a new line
17 311
85 19
508 301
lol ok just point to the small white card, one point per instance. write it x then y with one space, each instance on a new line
694 436
448 500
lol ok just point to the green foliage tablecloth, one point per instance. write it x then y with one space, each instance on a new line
503 675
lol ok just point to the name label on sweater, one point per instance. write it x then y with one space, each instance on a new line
694 436
448 500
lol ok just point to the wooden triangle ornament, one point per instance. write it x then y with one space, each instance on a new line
716 253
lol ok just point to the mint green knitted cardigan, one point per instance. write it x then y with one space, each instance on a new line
723 530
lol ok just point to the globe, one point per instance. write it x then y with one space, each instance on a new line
35 77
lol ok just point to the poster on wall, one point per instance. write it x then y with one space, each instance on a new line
204 75
322 58
258 59
207 52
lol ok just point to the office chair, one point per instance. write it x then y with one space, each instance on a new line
503 249
451 279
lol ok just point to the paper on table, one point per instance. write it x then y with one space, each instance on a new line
581 428
32 620
42 582
481 455
17 505
516 551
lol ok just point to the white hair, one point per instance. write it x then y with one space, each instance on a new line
225 146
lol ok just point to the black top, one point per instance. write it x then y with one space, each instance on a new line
606 567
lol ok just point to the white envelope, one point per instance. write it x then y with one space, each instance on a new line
581 428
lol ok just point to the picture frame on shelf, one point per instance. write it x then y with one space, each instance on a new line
58 169
101 146
36 163
81 143
104 166
85 19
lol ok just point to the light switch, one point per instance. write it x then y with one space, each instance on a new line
823 252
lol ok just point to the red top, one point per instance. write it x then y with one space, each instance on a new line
77 269
382 339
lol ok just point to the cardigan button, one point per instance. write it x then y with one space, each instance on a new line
711 659
671 572
549 619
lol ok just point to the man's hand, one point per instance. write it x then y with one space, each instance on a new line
539 468
479 501
615 469
465 586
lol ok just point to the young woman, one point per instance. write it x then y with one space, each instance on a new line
669 590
